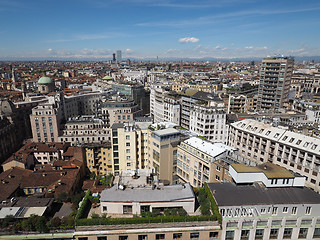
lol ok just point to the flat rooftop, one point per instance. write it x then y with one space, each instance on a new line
229 194
212 149
161 194
269 169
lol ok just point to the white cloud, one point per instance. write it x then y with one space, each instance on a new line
249 47
189 40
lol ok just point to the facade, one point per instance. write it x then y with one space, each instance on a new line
170 231
256 212
275 79
45 122
99 158
263 143
84 130
119 110
163 146
209 120
119 56
139 191
237 104
198 161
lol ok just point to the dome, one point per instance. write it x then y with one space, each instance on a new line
45 80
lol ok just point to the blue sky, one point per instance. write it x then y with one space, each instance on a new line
165 28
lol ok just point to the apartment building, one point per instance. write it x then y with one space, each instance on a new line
275 79
45 122
83 130
129 146
237 104
257 212
263 143
163 146
99 158
200 161
208 119
119 110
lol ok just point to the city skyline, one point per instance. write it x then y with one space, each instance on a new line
144 29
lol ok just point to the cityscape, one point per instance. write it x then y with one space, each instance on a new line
149 120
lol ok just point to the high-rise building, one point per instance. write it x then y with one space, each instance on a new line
119 56
275 78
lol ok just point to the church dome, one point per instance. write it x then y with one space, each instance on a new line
45 80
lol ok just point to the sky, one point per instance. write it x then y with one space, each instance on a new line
94 29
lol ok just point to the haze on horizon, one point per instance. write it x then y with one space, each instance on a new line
82 29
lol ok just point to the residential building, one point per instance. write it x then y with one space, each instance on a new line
198 161
45 122
139 191
275 79
237 104
260 212
99 158
262 143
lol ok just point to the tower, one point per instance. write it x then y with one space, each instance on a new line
113 57
275 79
119 56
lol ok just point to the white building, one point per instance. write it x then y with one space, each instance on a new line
138 192
262 143
256 212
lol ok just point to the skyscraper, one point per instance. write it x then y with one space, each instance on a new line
275 79
119 56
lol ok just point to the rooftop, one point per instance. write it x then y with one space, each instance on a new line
212 149
269 169
229 194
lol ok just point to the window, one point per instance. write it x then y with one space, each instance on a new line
127 137
259 234
177 236
298 142
274 210
142 237
306 222
128 164
218 168
284 138
262 223
316 233
214 235
194 236
102 238
229 235
123 237
160 236
83 238
145 208
104 208
303 232
287 233
306 144
267 133
314 146
308 210
127 144
291 140
262 210
245 234
294 211
127 150
274 233
128 157
127 209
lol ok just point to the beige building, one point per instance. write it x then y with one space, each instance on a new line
163 146
198 161
129 146
45 123
99 158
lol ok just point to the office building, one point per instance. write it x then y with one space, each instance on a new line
119 56
275 79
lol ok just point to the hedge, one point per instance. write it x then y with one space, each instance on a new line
84 205
138 220
214 206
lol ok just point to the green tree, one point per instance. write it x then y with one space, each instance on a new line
41 225
9 219
55 222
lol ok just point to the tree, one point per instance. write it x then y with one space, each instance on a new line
7 221
63 197
41 225
55 222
